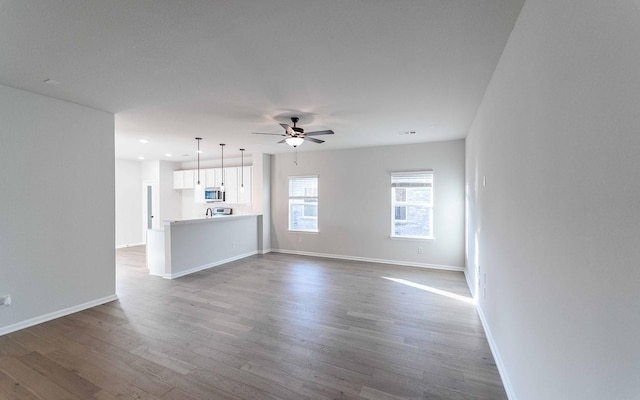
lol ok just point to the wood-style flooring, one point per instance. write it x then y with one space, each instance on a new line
272 326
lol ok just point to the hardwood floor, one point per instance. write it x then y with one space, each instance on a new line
274 326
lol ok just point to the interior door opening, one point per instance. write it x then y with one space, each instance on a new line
149 207
150 214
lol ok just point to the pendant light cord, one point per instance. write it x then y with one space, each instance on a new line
222 185
242 167
198 153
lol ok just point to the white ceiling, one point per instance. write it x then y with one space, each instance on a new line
174 70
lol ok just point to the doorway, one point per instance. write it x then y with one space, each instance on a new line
150 212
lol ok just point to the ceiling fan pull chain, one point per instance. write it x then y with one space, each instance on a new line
295 155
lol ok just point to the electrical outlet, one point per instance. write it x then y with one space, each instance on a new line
233 245
5 300
420 250
484 181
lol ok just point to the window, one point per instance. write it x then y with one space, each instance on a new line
303 203
401 213
412 205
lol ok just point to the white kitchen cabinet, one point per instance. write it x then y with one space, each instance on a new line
244 197
178 179
203 178
189 178
214 177
210 177
231 185
185 179
218 176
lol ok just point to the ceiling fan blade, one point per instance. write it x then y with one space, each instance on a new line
263 133
288 129
283 141
318 133
314 140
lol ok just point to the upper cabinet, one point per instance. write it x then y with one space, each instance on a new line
233 179
184 179
178 179
189 179
230 179
210 177
244 196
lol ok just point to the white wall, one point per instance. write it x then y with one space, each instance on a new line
217 163
261 197
169 201
128 203
558 138
355 203
57 221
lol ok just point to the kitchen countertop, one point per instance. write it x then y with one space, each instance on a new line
208 219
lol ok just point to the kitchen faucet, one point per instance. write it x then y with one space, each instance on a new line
209 212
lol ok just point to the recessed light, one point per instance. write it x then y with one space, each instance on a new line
200 151
168 154
143 141
408 132
140 158
51 82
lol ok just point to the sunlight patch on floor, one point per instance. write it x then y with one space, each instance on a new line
432 290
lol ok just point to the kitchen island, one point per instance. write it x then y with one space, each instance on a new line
182 247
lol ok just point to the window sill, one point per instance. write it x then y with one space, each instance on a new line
413 239
294 231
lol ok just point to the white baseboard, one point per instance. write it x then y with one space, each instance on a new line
56 314
210 265
492 343
373 260
496 356
122 246
469 283
265 251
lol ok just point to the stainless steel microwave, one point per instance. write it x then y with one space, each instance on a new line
213 194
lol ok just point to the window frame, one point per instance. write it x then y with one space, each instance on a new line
304 206
394 204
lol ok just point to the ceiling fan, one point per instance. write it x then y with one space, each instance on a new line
295 135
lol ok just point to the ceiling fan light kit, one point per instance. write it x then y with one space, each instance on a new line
294 141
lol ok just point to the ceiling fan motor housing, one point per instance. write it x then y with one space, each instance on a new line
294 127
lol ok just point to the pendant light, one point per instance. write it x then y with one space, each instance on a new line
222 183
198 186
242 171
